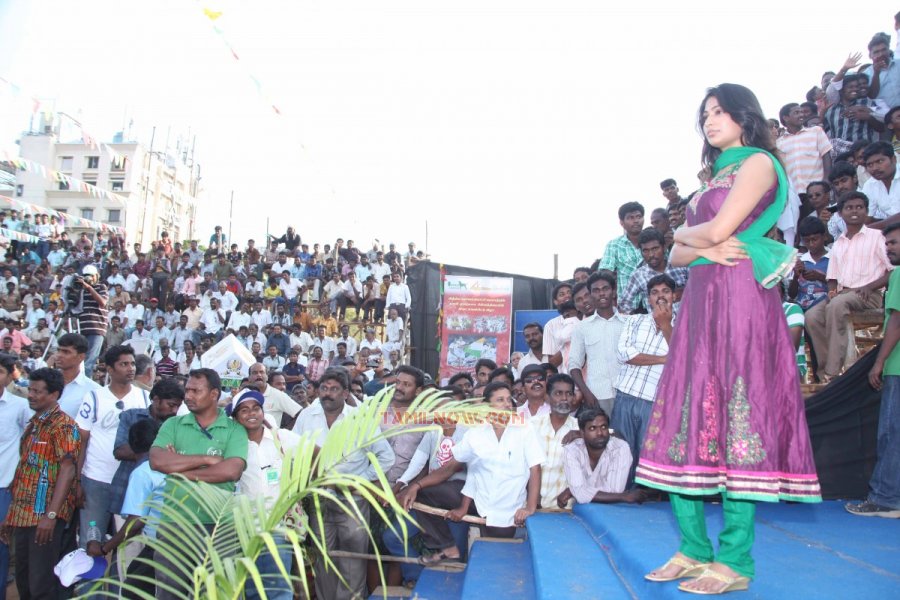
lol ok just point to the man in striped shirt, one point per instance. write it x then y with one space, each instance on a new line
853 118
806 150
857 270
92 320
642 351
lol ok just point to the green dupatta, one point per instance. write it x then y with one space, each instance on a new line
772 261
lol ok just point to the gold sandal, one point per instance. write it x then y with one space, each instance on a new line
732 584
688 569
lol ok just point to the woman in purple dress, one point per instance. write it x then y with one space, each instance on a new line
728 417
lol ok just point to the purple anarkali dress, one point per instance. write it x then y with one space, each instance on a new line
729 415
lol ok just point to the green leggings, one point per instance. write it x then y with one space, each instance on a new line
735 540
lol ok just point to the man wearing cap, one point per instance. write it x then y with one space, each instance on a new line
204 445
266 449
152 312
43 488
278 405
92 320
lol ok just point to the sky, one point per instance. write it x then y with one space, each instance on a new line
500 132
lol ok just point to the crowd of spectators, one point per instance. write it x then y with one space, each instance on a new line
585 387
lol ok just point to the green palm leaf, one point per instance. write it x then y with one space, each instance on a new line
221 564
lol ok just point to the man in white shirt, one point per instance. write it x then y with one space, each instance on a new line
299 339
98 422
327 344
291 289
344 531
883 188
380 268
227 300
534 338
534 382
398 296
348 340
370 341
160 331
272 361
333 291
279 406
213 318
241 319
594 343
133 312
115 277
261 316
552 350
282 265
14 417
393 329
351 294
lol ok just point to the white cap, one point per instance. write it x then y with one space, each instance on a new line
89 270
78 565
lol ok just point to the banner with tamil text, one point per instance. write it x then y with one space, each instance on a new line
477 313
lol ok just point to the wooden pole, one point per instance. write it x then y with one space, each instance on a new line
440 512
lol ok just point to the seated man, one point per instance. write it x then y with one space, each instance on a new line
857 271
597 464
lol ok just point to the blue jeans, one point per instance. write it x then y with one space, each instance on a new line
394 544
96 508
276 586
95 343
630 418
885 482
5 499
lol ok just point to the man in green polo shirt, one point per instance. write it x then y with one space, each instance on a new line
204 445
884 486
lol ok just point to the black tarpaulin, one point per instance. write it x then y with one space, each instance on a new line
843 428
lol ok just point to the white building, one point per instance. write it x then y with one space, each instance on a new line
157 191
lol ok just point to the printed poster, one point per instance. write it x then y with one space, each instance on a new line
476 323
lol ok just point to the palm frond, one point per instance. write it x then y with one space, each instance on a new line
221 564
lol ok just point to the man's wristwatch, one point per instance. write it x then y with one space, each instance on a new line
51 515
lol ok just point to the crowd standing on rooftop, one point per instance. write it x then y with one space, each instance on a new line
107 343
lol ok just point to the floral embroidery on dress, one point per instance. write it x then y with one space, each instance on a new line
678 447
709 435
723 179
744 445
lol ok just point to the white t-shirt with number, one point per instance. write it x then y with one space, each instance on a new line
99 415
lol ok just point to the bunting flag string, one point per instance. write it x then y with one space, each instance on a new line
19 236
213 16
47 173
64 218
88 138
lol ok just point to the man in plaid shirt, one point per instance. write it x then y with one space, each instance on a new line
623 255
653 251
643 349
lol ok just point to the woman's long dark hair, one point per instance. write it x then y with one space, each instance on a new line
744 109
